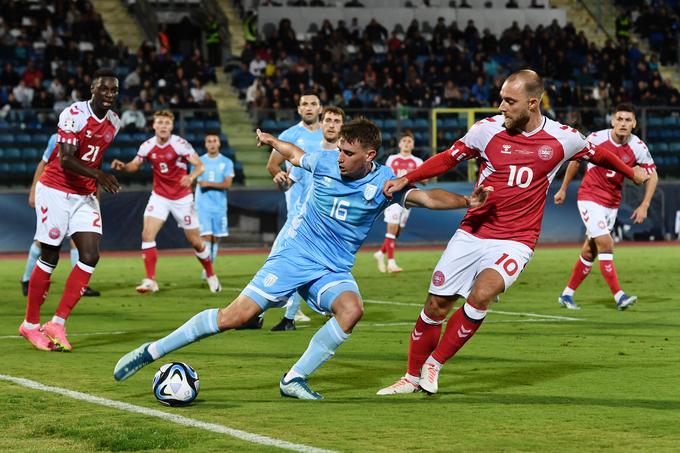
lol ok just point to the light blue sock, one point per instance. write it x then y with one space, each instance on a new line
213 250
321 348
202 325
33 255
293 307
74 256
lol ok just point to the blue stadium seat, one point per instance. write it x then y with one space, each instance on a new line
674 147
390 124
23 138
268 125
422 124
12 154
195 124
32 154
18 168
6 138
4 168
212 125
407 124
655 121
139 137
660 147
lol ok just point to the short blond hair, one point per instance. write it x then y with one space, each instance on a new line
165 113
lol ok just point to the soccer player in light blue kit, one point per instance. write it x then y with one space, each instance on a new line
34 251
306 135
332 119
316 256
211 194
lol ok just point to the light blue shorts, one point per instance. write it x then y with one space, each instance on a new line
213 223
283 274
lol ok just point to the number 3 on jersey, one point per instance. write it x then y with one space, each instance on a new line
339 209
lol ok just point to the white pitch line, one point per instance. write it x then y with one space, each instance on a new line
90 334
489 321
510 313
178 419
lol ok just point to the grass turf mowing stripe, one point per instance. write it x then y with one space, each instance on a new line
178 419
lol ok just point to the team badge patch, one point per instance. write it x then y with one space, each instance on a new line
270 279
369 191
545 152
438 278
108 137
54 233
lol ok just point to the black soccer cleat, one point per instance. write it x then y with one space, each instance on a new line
89 292
24 288
284 325
254 323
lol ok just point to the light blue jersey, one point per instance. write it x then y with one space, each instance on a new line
318 250
211 204
308 141
51 145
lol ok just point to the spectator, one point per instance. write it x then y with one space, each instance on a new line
256 95
257 66
23 94
133 119
213 41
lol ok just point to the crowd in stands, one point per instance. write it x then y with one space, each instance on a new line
658 21
50 49
449 65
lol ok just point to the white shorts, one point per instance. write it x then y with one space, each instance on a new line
397 215
466 256
61 214
599 220
183 210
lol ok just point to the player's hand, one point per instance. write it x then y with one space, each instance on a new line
31 199
108 182
117 165
394 185
186 181
640 176
560 196
264 138
478 196
282 180
639 215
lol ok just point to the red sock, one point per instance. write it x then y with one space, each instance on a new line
204 257
150 256
609 272
460 328
424 339
389 245
77 281
383 249
38 285
579 273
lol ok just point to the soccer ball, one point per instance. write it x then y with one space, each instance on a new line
175 384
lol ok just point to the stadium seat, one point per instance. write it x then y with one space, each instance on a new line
212 125
422 124
23 138
407 124
660 147
12 154
674 147
655 121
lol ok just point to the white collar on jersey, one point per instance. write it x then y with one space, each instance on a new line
611 139
529 134
89 107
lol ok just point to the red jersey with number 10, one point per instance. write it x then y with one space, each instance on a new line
519 167
169 162
79 126
603 186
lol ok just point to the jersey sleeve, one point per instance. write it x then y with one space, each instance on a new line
471 144
51 144
310 161
642 156
228 168
143 150
183 147
577 147
71 121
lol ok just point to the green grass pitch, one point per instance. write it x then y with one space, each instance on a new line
607 380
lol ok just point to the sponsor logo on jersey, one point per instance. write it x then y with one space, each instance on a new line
327 181
54 233
545 152
438 278
369 191
269 280
506 149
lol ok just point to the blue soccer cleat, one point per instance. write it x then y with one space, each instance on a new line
132 362
297 388
568 302
625 301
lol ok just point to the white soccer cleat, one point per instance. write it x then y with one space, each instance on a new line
214 284
392 268
429 377
403 385
148 286
380 258
301 317
625 301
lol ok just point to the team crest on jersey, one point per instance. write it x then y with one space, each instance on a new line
269 280
168 155
153 155
299 142
545 152
438 278
369 191
625 158
54 233
327 181
108 137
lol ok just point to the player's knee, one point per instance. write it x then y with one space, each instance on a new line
348 311
605 243
481 298
89 257
437 307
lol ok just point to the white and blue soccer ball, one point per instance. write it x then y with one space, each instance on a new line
176 384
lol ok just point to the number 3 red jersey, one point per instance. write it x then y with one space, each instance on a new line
519 167
79 126
169 162
603 186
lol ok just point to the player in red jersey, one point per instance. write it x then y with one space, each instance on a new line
598 202
169 156
66 205
520 152
396 216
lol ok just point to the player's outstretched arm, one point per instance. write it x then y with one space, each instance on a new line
69 161
434 166
569 174
441 199
131 167
40 169
640 213
199 168
603 158
290 152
